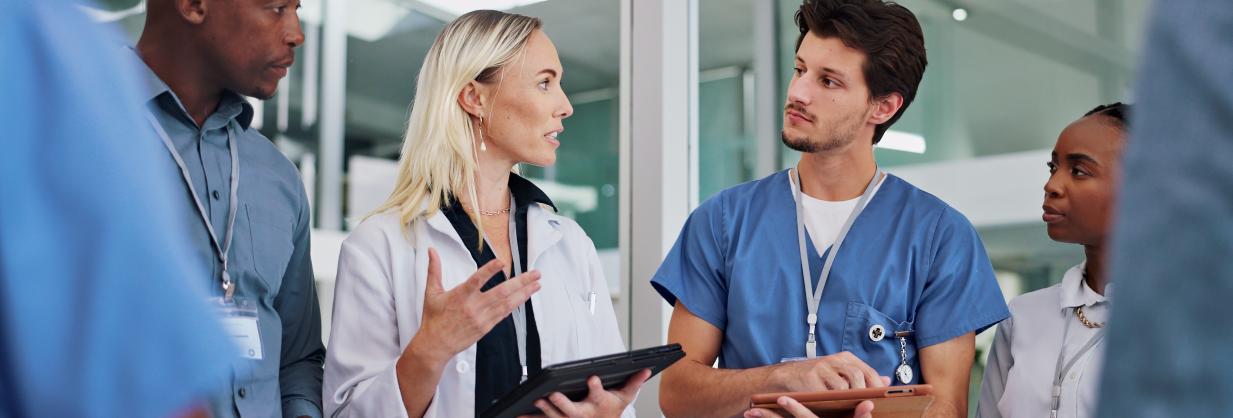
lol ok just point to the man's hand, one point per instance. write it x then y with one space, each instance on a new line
693 388
834 372
863 410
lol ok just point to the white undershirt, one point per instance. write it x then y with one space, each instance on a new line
824 218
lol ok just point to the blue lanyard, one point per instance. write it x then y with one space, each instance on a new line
219 250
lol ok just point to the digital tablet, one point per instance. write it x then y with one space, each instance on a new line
570 378
892 401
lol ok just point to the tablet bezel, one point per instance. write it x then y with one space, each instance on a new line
764 399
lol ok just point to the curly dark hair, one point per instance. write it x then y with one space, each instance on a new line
1116 113
888 34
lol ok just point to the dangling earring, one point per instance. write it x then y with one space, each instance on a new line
483 147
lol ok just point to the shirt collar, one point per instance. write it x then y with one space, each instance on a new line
1075 291
524 191
231 106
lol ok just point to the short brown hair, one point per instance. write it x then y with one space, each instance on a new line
888 34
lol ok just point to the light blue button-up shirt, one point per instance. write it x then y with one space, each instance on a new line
269 254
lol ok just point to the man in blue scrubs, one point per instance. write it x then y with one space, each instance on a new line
903 296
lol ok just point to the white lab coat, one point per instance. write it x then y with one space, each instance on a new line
378 305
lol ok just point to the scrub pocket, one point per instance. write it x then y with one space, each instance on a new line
270 239
878 349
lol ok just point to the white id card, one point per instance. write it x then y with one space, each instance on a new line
239 319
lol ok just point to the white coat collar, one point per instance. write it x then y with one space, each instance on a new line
544 230
439 222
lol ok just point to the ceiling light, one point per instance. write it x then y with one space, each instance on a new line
459 7
107 16
372 20
902 141
960 14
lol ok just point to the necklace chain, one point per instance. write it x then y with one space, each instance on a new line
494 212
1083 318
1086 322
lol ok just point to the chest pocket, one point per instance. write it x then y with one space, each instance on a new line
568 308
870 335
579 290
270 241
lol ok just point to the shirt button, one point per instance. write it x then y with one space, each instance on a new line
462 366
216 195
243 392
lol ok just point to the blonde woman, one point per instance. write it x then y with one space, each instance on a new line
418 329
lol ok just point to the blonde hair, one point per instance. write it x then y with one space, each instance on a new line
438 152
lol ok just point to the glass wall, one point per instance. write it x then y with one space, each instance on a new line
727 150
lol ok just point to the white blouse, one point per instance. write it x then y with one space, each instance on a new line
1024 360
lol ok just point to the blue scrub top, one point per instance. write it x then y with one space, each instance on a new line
910 262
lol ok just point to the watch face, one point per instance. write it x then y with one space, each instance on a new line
904 373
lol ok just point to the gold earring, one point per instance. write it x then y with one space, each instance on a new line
483 147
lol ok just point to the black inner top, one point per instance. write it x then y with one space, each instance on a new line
497 368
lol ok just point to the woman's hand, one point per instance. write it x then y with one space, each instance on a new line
863 410
599 402
452 321
455 319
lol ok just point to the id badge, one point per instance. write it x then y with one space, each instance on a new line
239 319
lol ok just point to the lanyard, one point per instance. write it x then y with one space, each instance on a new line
814 297
520 313
219 250
1061 371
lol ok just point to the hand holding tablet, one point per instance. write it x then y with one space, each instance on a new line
887 402
575 380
